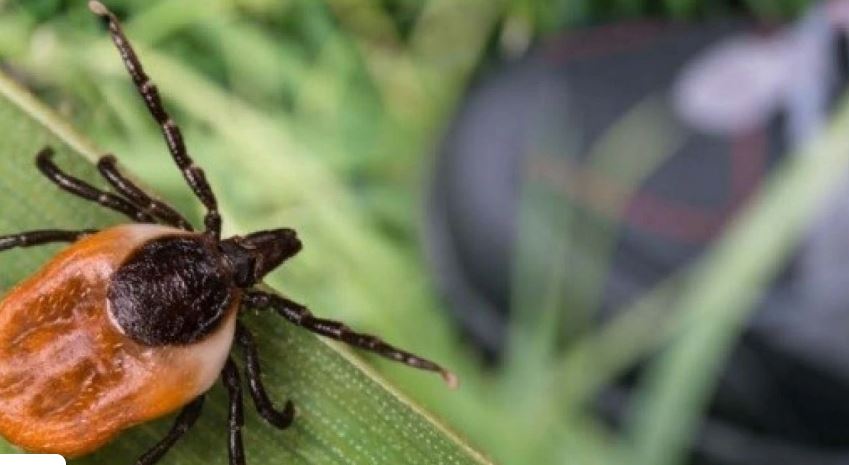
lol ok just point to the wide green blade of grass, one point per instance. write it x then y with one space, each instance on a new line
347 414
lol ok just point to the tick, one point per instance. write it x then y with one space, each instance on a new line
136 321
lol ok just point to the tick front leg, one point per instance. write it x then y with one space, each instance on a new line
279 418
236 416
301 316
192 173
40 237
188 416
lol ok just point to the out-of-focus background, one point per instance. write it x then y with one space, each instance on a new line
620 221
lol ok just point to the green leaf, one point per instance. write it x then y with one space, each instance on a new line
347 414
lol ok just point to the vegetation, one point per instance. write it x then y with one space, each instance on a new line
323 116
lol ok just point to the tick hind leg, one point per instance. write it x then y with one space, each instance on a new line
193 174
279 418
108 167
187 417
80 188
40 237
236 416
301 316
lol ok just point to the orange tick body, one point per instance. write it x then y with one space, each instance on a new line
92 381
137 321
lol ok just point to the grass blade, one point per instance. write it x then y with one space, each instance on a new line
722 291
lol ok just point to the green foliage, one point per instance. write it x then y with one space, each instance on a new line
321 116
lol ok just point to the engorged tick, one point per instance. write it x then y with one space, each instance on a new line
136 321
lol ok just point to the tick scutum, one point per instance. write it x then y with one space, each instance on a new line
173 290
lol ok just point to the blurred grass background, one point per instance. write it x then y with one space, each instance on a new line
324 116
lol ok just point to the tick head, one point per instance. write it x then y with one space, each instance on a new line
255 255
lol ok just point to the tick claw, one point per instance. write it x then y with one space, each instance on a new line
451 379
98 8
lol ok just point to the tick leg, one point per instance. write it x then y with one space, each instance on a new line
193 174
45 236
279 418
236 417
188 416
85 190
301 316
108 167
